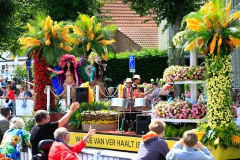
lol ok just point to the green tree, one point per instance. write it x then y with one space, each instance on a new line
172 11
21 72
68 10
6 16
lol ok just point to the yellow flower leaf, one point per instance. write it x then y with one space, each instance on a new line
48 42
65 36
228 9
236 42
208 23
104 55
67 48
30 27
106 42
208 8
194 24
99 37
78 31
219 44
191 46
88 46
213 43
92 37
99 25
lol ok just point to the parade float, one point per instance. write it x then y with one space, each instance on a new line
210 31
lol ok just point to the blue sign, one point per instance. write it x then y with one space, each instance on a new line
132 62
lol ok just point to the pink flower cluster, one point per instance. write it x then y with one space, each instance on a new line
179 110
183 73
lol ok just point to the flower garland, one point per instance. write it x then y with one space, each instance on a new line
218 90
179 110
41 80
183 73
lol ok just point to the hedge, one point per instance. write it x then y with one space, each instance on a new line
150 64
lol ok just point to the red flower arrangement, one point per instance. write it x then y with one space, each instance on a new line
41 80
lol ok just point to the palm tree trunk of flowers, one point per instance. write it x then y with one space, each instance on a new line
41 79
219 71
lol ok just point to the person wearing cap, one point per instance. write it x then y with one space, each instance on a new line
155 92
128 94
128 90
136 81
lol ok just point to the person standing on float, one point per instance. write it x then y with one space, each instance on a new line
97 76
68 64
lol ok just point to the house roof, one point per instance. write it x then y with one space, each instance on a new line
131 24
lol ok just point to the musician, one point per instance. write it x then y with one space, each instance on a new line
128 92
156 90
136 81
130 95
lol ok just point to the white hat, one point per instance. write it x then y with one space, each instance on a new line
136 76
128 80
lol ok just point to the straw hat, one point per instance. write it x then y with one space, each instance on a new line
136 76
128 80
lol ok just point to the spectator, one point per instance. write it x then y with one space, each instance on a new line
3 83
21 94
4 90
10 97
15 139
27 93
200 96
153 146
44 128
4 123
60 149
13 87
189 148
1 92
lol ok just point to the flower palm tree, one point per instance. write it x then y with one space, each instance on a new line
215 33
89 34
46 41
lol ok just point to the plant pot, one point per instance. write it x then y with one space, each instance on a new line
200 135
56 117
222 154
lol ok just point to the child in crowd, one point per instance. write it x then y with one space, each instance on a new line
153 146
189 148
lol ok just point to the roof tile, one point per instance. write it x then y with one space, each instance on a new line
131 24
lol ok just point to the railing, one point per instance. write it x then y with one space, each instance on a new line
104 155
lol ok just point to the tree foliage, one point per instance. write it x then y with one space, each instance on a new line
68 10
20 72
170 10
7 11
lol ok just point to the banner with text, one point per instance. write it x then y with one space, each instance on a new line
115 142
